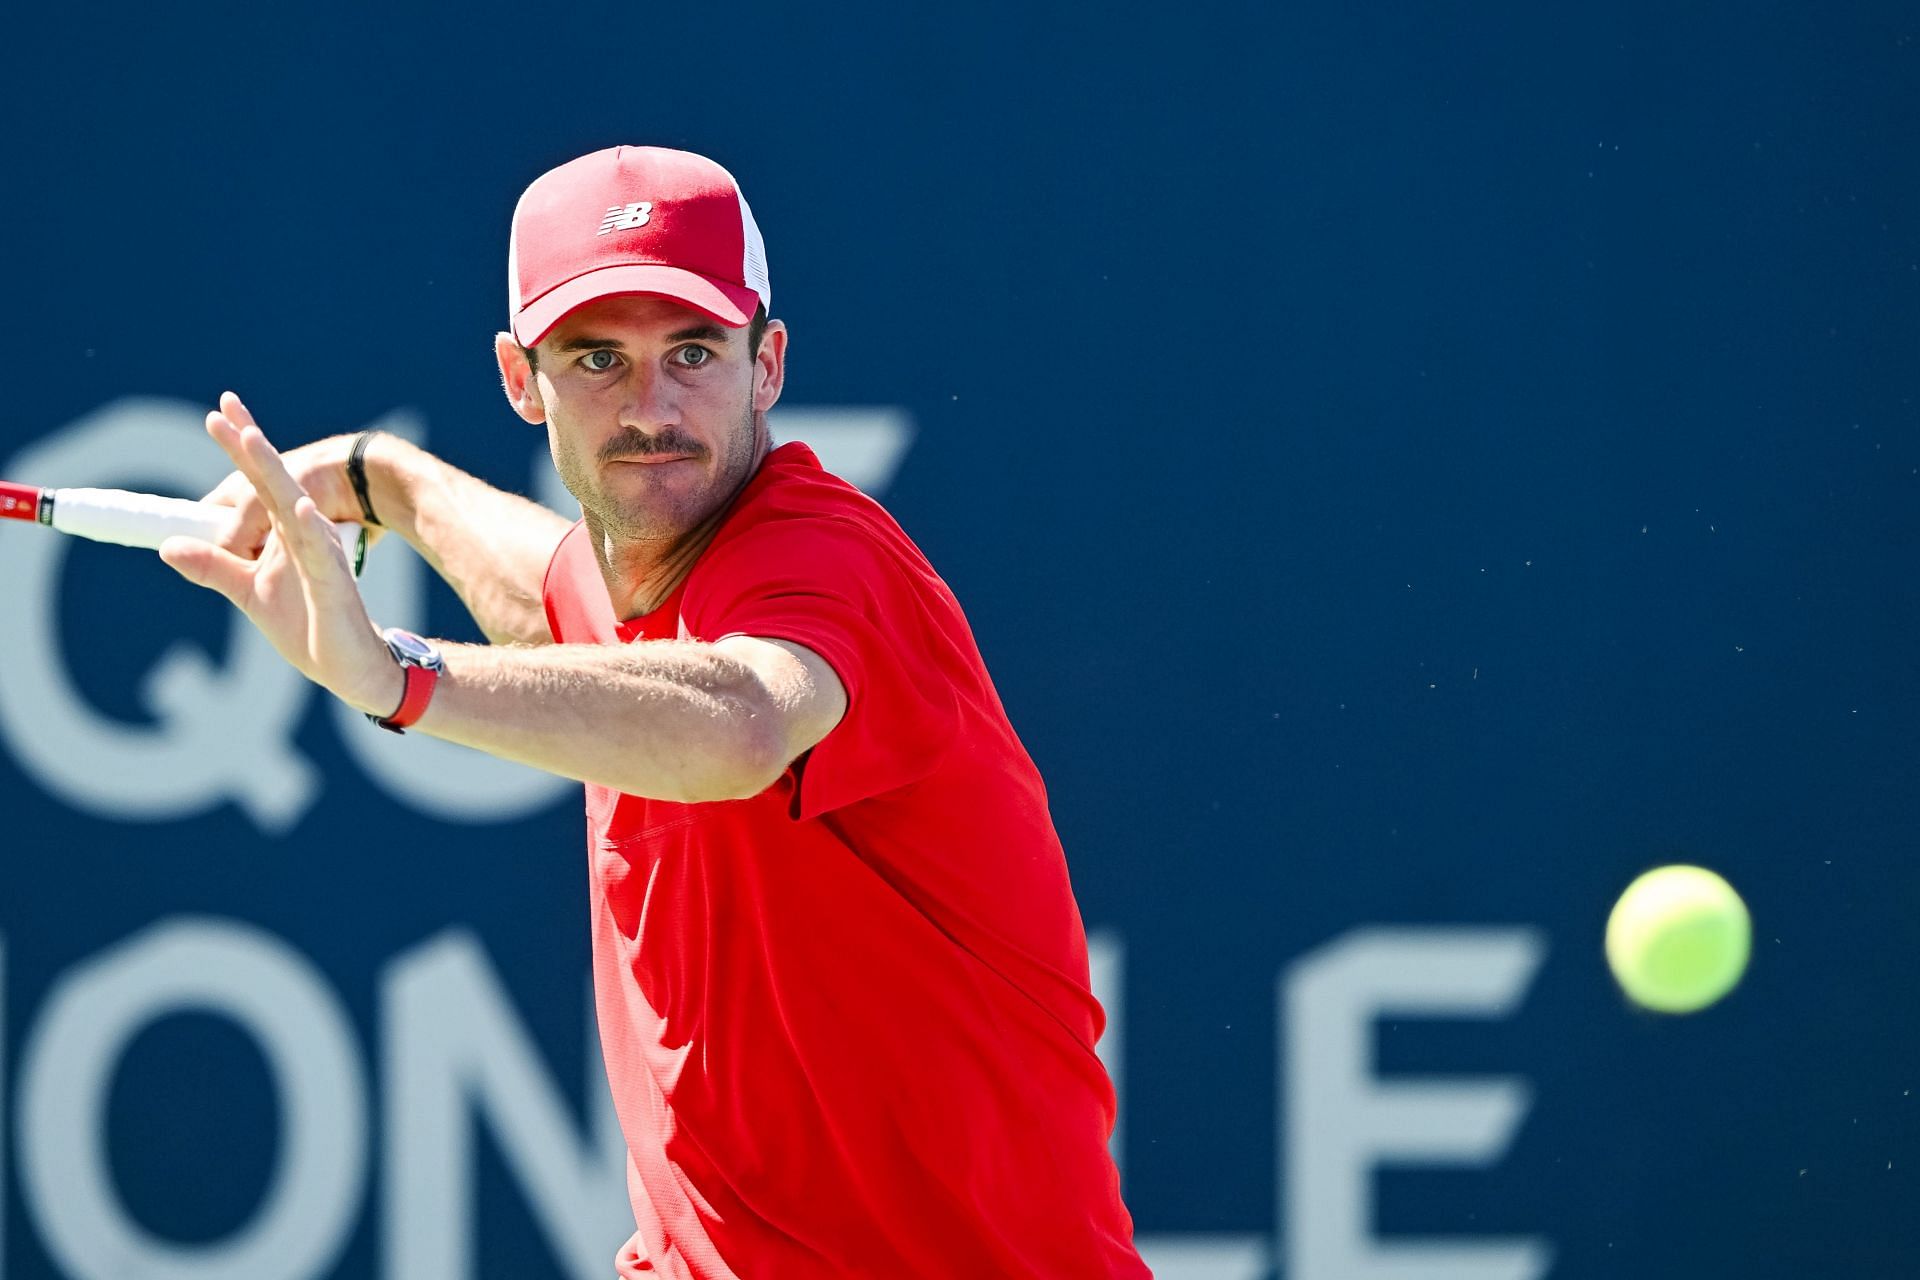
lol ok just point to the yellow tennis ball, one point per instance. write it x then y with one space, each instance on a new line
1678 939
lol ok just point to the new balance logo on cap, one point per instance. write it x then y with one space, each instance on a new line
692 240
626 217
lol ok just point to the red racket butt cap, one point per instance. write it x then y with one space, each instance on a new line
19 502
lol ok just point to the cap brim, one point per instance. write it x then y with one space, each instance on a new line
730 304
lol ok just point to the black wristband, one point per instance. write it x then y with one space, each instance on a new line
357 473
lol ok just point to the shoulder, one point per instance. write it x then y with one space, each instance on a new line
795 514
807 553
792 484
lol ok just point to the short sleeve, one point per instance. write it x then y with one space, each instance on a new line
874 613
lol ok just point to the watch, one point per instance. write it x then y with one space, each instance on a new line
422 664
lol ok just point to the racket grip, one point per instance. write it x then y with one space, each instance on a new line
146 520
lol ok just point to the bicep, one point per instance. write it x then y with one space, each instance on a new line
807 696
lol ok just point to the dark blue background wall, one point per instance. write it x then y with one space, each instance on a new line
1405 465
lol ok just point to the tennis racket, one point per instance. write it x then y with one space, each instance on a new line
139 519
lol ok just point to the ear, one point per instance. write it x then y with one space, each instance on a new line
517 379
770 366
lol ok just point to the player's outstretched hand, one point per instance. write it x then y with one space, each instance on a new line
299 590
319 468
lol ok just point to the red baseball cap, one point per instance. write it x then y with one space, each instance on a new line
634 220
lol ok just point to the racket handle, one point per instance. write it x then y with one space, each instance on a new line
19 501
145 520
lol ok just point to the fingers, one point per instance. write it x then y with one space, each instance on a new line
287 507
258 461
237 413
322 559
270 477
206 565
248 534
267 483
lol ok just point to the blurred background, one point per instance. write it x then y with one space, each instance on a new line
1410 468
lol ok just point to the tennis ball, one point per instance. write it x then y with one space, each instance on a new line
1678 939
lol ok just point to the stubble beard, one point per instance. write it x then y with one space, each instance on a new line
648 519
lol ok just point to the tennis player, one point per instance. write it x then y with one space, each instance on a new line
841 978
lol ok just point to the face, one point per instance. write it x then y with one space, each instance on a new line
656 414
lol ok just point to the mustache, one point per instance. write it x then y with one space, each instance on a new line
638 444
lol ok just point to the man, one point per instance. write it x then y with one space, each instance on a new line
841 980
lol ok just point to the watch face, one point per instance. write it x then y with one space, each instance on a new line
409 647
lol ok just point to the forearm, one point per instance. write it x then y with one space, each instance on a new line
666 719
492 547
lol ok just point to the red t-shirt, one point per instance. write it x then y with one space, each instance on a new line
848 1022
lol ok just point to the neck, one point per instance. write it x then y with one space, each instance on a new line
642 573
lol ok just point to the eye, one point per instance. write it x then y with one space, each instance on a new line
694 357
599 361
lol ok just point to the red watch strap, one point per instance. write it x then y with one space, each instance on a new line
413 702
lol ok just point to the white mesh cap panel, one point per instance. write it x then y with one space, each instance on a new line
753 267
753 272
513 265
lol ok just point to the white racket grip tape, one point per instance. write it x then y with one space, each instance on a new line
146 520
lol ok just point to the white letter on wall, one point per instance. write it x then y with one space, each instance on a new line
452 1045
1340 1121
220 733
67 1070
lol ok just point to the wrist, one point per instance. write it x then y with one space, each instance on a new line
379 689
420 666
393 691
357 474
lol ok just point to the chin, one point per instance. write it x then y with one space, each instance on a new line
657 516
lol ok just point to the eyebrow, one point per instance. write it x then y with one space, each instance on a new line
693 333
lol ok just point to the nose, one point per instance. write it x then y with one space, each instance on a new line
651 404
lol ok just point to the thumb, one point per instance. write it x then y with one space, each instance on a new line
248 531
247 534
206 565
